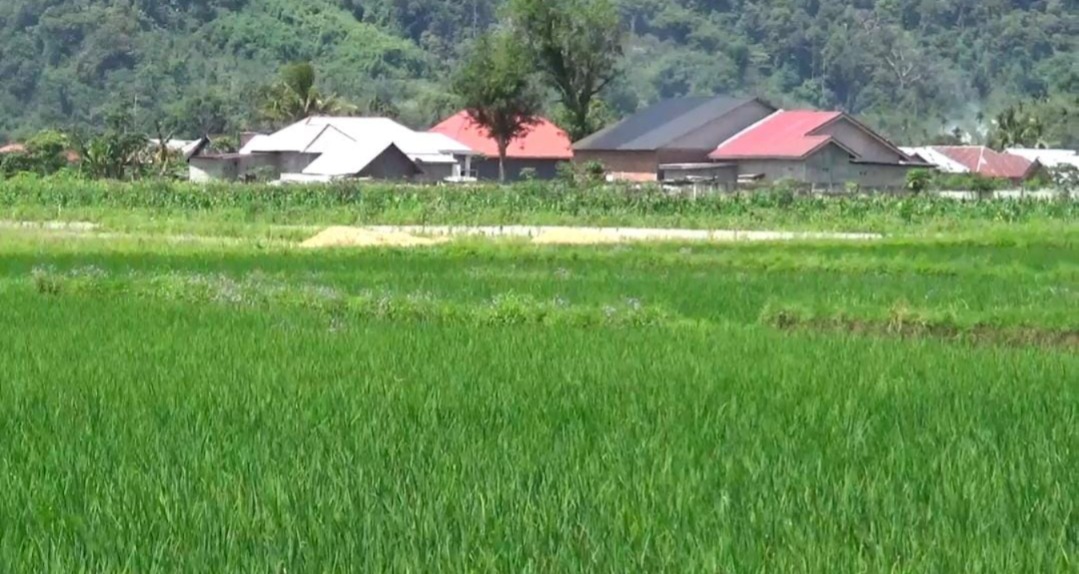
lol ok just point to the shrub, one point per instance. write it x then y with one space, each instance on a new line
918 180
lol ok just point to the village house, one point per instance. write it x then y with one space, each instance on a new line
1050 158
328 148
537 152
726 140
677 133
976 159
822 149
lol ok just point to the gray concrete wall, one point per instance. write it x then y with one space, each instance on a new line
865 145
205 169
394 165
622 162
487 168
434 172
231 168
725 175
774 170
292 162
832 167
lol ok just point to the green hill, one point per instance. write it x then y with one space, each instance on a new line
911 67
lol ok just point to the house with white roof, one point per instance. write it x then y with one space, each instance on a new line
937 158
1051 158
328 148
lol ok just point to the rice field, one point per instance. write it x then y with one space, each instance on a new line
907 405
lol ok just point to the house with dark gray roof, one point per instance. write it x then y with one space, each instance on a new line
677 131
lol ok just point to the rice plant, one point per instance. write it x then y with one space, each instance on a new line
234 408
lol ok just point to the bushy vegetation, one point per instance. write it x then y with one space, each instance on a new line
185 407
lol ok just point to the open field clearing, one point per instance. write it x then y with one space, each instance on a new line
908 404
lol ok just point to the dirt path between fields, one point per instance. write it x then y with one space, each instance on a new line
425 235
555 235
417 236
79 226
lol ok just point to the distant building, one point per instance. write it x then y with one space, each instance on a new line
822 149
978 160
1051 158
540 150
725 141
681 131
936 158
185 148
329 148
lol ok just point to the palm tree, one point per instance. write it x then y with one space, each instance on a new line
1017 127
295 97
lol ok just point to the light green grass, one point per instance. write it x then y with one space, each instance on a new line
250 407
231 209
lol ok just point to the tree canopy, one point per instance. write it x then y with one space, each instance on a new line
916 69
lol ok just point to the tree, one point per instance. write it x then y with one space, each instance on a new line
116 153
495 86
918 180
1017 127
44 154
577 44
295 97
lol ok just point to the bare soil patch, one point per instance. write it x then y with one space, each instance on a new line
342 236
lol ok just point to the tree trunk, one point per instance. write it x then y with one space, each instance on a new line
580 120
502 145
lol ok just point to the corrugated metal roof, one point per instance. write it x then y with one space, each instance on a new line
784 134
543 140
348 160
1048 157
989 163
323 134
659 125
936 158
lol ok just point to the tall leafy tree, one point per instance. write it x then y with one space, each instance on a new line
295 96
495 85
577 44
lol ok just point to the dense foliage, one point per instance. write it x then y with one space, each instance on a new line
915 68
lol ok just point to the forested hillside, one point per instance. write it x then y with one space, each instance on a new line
914 68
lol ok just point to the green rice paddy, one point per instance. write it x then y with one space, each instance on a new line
909 405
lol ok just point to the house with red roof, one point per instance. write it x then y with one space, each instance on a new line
823 149
724 140
979 160
671 137
539 151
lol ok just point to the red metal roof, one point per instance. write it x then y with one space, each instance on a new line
784 134
984 161
543 141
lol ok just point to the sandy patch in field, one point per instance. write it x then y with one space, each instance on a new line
571 236
565 235
80 226
342 236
